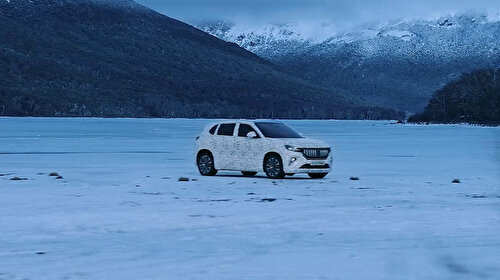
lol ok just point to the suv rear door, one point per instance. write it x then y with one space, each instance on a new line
224 147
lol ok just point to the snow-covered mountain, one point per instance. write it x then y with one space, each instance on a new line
269 41
397 64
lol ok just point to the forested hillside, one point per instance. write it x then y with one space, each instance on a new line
115 58
474 98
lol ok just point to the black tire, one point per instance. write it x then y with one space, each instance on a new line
248 173
205 162
273 166
317 175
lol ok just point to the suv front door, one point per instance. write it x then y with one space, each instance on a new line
248 148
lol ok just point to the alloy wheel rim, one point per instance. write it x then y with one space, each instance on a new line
205 164
273 166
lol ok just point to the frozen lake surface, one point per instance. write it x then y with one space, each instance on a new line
119 212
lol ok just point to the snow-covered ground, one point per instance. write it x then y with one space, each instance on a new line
119 212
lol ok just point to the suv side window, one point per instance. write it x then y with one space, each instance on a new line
245 129
212 130
226 129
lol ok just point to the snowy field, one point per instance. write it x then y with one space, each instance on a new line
119 211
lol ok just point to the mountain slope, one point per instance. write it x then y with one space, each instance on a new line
399 64
117 58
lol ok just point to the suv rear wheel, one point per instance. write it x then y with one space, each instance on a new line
206 164
273 166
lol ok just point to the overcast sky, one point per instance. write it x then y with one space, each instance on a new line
337 12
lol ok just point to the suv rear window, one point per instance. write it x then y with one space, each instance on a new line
226 129
212 130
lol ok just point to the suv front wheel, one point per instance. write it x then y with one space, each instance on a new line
273 166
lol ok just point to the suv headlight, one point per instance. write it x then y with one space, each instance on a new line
293 148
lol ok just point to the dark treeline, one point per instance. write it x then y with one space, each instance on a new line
474 98
119 59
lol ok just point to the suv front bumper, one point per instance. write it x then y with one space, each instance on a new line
295 162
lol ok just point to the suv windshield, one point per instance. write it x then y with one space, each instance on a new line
277 130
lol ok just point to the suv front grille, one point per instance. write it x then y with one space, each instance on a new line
316 153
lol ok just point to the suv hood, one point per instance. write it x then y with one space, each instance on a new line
305 143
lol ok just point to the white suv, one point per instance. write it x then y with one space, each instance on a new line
260 146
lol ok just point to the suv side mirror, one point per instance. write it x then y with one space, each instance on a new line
251 134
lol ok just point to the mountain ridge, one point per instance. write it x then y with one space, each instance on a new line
399 64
